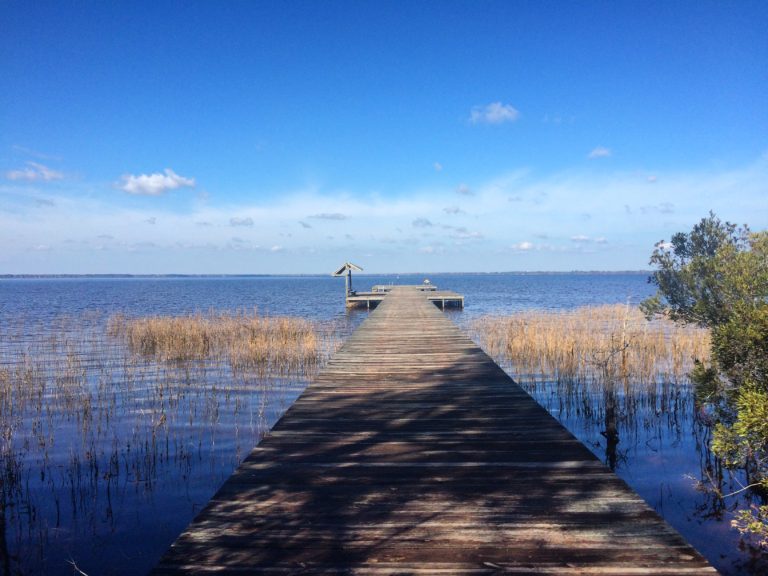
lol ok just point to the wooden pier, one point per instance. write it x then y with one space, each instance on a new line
441 298
413 453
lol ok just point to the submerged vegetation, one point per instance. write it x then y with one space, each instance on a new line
95 413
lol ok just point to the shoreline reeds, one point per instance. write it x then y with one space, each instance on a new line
89 404
594 343
242 339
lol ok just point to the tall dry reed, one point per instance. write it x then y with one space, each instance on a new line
597 342
245 340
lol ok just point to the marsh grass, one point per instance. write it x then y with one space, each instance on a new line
597 343
244 340
92 407
601 370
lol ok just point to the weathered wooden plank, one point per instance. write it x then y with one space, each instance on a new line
413 453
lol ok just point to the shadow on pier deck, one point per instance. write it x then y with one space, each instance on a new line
413 453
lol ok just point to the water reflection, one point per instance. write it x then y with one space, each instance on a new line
654 437
107 454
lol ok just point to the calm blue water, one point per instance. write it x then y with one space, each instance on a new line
125 529
320 297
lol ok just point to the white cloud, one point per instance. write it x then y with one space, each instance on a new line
584 239
437 166
34 172
238 221
522 246
422 223
276 248
154 184
599 152
198 238
493 113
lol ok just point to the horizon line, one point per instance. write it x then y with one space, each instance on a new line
308 274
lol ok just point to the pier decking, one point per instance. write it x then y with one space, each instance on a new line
413 453
441 298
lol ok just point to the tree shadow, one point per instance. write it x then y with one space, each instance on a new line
411 453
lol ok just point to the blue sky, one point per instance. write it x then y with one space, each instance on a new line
289 137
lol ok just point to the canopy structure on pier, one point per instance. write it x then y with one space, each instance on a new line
347 270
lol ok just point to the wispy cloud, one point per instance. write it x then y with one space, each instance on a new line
34 172
305 225
493 113
238 244
199 236
154 184
584 239
241 221
557 119
34 153
422 223
329 216
464 190
437 166
660 208
461 233
599 152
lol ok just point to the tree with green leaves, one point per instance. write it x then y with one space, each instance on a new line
716 276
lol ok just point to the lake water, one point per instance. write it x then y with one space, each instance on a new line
114 502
